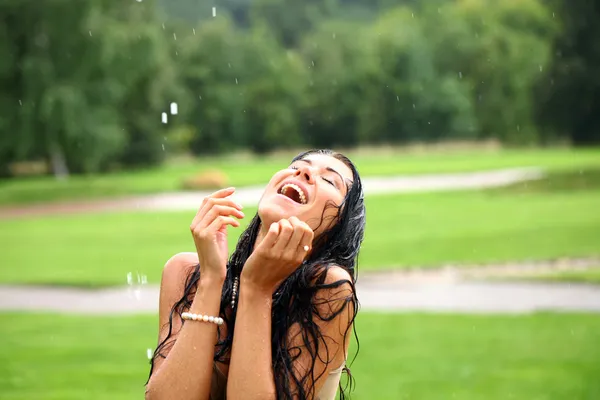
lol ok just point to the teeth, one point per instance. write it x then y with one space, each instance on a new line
297 189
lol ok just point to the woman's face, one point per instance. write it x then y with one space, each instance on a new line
304 190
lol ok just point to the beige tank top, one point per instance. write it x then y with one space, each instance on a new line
218 388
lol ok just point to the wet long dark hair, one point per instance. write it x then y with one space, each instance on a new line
294 301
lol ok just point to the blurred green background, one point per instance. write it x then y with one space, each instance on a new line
403 87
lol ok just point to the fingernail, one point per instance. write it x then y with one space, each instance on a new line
243 215
239 205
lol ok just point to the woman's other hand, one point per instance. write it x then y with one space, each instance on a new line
209 229
283 249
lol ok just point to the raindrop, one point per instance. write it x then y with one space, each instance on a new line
229 65
518 128
313 63
163 25
129 278
200 97
214 10
553 15
333 35
90 33
414 107
174 36
413 14
541 68
173 108
164 118
139 1
20 102
429 122
460 75
163 146
148 351
236 81
194 30
397 98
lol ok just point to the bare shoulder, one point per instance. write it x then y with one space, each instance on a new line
179 265
336 273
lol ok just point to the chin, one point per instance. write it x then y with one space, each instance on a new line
271 211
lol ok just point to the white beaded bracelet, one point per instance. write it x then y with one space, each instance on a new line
199 317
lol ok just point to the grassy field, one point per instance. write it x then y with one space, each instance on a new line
402 356
246 170
542 222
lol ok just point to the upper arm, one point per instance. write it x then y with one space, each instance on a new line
333 314
172 287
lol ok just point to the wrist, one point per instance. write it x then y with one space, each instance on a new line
210 278
254 291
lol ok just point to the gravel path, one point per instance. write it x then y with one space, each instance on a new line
250 195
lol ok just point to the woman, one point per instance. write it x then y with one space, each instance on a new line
273 322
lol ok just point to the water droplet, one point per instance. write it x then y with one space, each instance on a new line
236 81
313 63
20 102
333 36
129 278
553 15
541 68
229 65
397 98
139 1
148 351
163 25
518 128
163 146
174 36
460 75
194 30
199 97
214 11
173 108
412 14
414 107
90 33
164 118
428 122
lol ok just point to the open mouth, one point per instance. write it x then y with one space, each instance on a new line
293 192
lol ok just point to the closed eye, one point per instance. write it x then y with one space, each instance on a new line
329 181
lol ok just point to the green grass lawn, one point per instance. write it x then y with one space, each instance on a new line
402 356
245 170
402 230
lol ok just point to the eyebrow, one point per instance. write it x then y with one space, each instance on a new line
348 181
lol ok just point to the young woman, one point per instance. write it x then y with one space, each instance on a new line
273 321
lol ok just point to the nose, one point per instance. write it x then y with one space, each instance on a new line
305 172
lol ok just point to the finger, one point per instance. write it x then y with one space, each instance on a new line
307 239
208 203
285 233
296 238
216 211
222 221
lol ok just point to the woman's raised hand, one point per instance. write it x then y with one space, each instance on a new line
209 229
282 250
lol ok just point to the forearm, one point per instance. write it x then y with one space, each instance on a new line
251 370
187 371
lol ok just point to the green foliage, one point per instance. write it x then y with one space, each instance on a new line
84 84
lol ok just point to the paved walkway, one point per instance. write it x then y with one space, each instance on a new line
383 295
250 195
452 289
